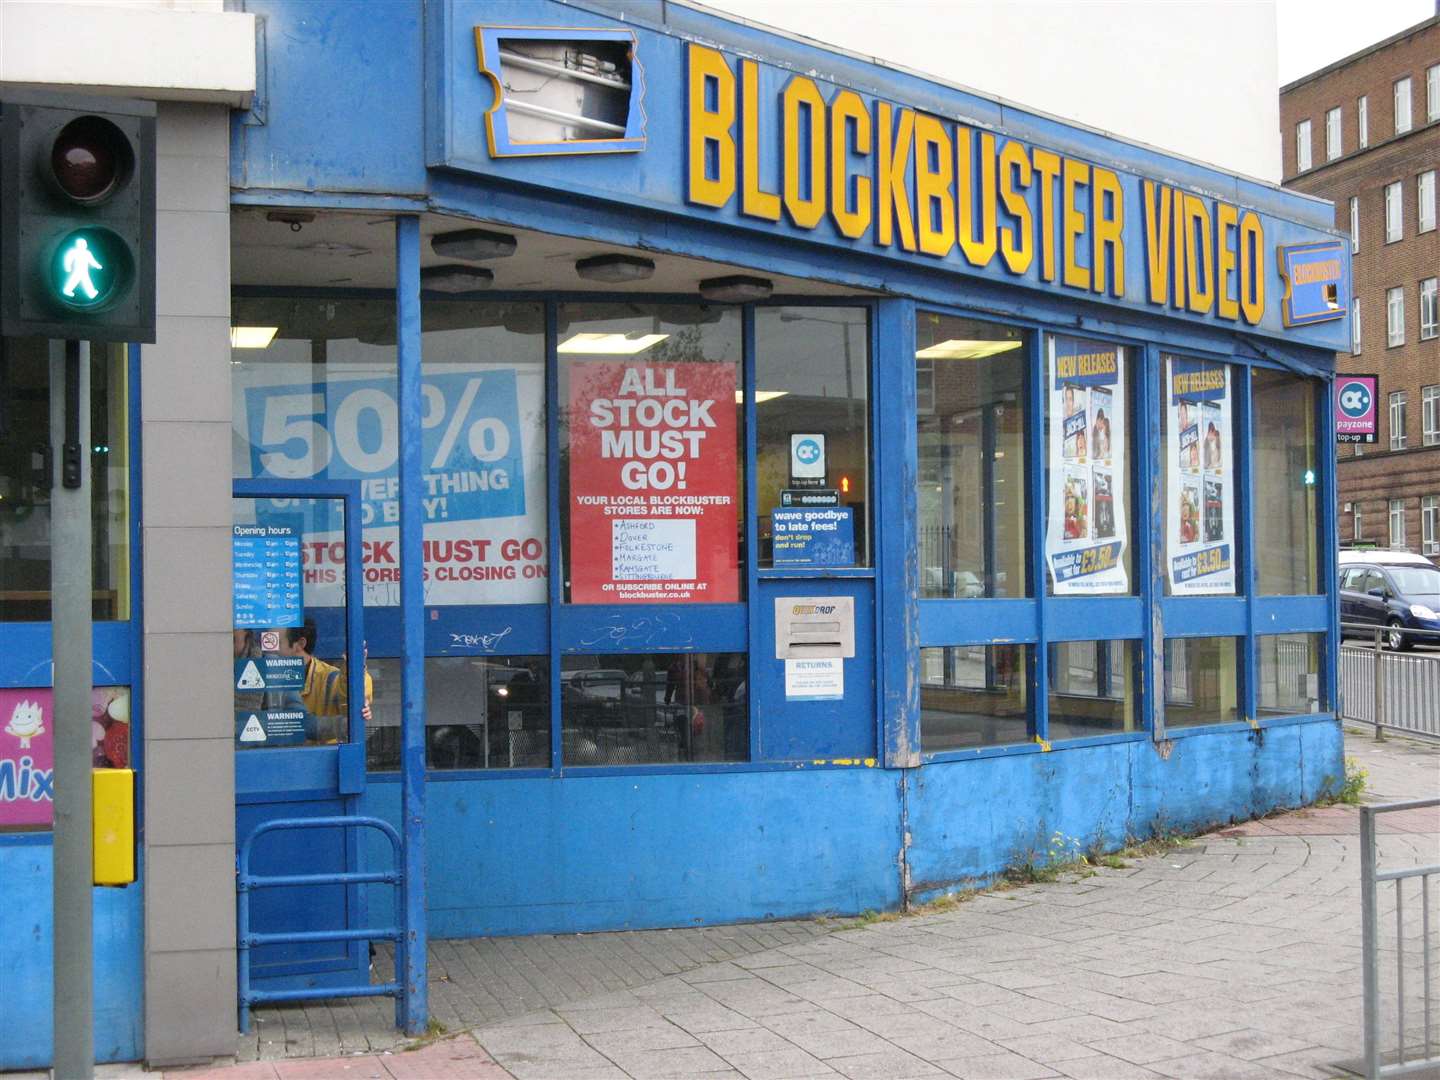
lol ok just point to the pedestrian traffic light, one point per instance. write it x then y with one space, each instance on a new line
77 217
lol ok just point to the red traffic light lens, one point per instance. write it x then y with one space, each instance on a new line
90 159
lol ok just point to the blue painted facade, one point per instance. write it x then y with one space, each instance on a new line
380 107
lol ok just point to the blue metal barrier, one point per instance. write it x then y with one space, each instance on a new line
245 881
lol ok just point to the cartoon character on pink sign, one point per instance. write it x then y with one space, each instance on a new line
27 757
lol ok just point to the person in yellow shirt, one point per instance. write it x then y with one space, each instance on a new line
324 692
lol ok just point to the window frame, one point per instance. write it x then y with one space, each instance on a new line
1397 517
1430 415
1404 102
1432 93
1429 299
1394 212
1354 224
1357 341
1399 403
1303 150
1425 201
1395 317
1430 525
1362 121
1334 136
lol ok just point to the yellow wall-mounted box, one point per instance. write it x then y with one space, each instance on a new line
113 814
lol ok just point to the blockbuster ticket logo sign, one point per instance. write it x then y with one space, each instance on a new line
1357 412
1315 282
652 483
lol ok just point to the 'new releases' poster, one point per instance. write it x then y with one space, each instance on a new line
653 515
1086 530
1200 512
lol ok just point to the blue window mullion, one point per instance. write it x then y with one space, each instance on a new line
1328 479
1150 539
1245 508
1036 395
752 525
554 549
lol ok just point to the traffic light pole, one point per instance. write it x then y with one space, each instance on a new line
71 610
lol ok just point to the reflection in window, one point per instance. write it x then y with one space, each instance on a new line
973 696
971 381
1290 674
25 494
1093 688
654 708
812 378
1287 531
651 459
1202 682
481 712
314 397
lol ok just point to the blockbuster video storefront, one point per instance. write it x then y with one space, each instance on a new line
834 486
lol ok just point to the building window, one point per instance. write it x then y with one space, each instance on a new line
1425 191
812 382
1394 212
1430 415
973 696
1398 402
1432 92
654 708
1397 524
1287 534
1333 144
1355 326
1402 105
1202 681
1427 308
972 459
1430 525
1362 121
25 496
1394 317
1354 224
651 444
1093 688
1357 531
1302 146
1289 673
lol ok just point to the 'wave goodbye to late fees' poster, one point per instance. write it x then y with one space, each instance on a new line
652 483
1086 529
1200 512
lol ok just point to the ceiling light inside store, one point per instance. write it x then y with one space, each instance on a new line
959 349
737 289
615 269
473 245
761 396
252 337
456 279
610 344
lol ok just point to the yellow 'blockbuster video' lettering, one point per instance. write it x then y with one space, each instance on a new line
911 181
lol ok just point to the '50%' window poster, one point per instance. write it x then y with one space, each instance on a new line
1200 512
1086 531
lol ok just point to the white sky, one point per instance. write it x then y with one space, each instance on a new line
1314 33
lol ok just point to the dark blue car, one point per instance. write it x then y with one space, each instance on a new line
1397 592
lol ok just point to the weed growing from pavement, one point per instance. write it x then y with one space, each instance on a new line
1350 789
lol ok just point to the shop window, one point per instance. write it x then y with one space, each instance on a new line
314 398
651 453
25 489
654 708
812 404
973 696
1202 683
1289 670
1087 468
1093 688
1198 477
972 458
481 712
27 750
1284 467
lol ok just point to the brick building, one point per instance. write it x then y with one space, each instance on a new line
1364 132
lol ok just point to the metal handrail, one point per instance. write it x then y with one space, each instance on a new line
246 882
1370 877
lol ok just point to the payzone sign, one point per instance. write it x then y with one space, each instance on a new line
482 455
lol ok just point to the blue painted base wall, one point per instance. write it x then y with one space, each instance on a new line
618 852
26 944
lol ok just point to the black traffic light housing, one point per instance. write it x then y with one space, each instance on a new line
77 217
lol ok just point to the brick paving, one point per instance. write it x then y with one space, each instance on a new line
1235 956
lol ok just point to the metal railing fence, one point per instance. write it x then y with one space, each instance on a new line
1390 690
1409 1059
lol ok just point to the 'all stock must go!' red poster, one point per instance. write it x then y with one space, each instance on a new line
652 483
